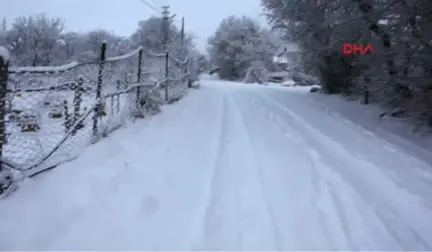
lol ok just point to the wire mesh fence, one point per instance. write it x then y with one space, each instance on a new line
49 114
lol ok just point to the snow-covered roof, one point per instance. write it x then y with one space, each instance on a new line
280 59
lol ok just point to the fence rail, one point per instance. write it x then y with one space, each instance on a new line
49 114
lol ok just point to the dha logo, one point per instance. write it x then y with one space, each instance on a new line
349 49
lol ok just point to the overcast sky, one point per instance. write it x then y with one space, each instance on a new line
121 16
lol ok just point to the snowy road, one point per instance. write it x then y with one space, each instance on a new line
230 167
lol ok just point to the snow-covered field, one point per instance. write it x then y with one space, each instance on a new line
230 167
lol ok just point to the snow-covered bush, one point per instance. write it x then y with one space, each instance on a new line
288 83
148 104
154 100
7 183
302 79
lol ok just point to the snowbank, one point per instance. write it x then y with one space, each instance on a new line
209 77
366 117
288 83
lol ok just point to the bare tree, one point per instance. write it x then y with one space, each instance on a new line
33 40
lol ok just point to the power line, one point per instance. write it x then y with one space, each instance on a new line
156 3
150 6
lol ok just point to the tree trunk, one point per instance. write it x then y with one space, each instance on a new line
372 17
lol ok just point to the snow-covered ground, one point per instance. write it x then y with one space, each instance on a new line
230 167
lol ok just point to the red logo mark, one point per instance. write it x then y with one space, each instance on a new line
349 49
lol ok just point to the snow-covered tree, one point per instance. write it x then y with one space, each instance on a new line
237 43
151 35
97 37
400 70
70 44
40 41
33 40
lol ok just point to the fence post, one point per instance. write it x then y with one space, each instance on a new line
4 76
118 96
99 87
366 92
77 102
186 74
139 73
67 116
366 97
166 76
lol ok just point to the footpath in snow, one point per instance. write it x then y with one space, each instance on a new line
229 167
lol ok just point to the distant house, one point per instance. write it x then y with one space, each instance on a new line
285 59
281 61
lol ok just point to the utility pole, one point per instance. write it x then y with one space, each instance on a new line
182 32
183 49
4 24
165 16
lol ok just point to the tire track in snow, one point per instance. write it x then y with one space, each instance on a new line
211 192
236 216
405 235
413 169
277 237
292 230
326 202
